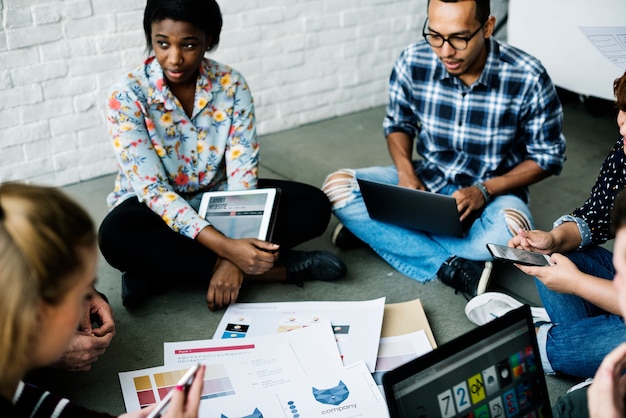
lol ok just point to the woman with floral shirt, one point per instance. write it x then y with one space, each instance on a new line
182 125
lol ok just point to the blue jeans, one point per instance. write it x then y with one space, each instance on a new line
581 333
418 254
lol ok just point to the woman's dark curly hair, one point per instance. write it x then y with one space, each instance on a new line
619 90
203 14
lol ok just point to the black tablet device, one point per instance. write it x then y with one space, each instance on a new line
493 370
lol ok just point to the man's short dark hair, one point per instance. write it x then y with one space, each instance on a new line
483 9
203 14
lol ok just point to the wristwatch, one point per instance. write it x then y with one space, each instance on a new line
483 190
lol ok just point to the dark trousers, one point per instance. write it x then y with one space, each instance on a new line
572 405
135 240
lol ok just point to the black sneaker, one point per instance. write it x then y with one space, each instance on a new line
136 289
466 276
344 239
312 265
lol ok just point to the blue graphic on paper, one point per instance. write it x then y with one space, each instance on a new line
332 396
255 414
293 409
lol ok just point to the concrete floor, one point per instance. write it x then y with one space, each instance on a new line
307 154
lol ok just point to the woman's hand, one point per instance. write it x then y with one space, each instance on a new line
562 239
252 256
183 404
605 396
535 240
563 276
224 286
236 259
560 277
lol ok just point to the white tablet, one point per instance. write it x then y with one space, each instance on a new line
241 213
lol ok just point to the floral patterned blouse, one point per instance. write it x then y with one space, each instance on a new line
167 159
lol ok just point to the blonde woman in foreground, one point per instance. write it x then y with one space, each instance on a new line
48 257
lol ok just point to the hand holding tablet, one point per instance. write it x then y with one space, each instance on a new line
242 213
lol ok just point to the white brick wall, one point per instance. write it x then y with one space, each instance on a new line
305 61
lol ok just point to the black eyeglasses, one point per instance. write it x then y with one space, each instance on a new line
457 42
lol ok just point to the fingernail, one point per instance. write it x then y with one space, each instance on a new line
179 387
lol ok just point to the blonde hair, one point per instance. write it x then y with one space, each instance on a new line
40 231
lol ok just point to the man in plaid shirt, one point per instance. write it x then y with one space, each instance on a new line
486 123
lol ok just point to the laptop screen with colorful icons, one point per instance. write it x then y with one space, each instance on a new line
491 371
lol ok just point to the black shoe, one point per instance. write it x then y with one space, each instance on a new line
312 265
344 239
466 276
135 290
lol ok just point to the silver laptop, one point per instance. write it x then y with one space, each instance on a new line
414 209
493 370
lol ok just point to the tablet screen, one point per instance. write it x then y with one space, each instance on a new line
240 214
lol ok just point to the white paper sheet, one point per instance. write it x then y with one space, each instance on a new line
270 382
349 392
356 325
314 346
257 370
610 41
397 350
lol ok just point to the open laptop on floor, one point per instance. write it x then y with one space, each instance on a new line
491 371
414 209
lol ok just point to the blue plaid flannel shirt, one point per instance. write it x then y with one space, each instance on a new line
472 133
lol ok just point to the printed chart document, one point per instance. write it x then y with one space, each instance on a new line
314 346
266 382
356 325
349 392
251 372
